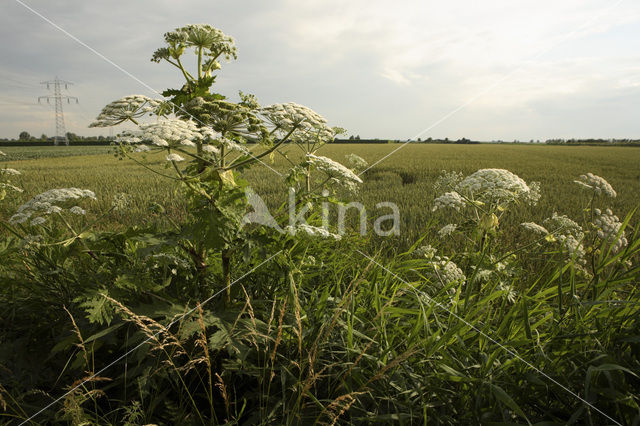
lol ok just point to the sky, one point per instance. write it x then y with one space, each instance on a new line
490 70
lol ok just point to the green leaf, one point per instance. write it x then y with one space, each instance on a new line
503 397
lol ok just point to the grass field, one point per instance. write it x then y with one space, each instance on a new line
405 178
490 323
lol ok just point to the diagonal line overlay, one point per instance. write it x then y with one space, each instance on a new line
180 318
485 335
145 85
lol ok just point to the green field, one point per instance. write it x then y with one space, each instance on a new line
185 317
405 178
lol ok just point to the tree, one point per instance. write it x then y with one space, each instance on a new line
43 137
24 136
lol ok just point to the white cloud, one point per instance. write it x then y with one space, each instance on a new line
379 69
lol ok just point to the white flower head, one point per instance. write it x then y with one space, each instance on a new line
141 148
77 210
132 106
596 184
168 132
535 228
449 200
563 225
311 231
174 157
335 170
38 221
46 202
10 172
496 185
232 145
303 121
210 149
445 271
607 227
447 230
357 162
426 251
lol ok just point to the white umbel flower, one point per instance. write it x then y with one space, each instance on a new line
450 199
356 161
232 145
573 247
495 185
426 251
335 170
311 231
535 228
46 202
447 230
129 107
596 184
302 120
77 210
563 225
607 229
38 221
10 172
446 271
210 149
166 133
174 157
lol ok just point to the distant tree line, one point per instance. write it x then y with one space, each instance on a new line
606 142
26 139
357 139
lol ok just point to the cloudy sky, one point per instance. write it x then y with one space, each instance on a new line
496 69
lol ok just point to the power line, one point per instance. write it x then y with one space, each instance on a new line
61 133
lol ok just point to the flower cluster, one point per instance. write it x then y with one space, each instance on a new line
573 247
166 133
302 121
128 108
311 231
13 172
339 173
486 186
447 181
446 271
450 199
563 225
535 228
232 145
356 162
608 229
46 203
213 41
443 270
426 251
495 185
5 175
596 184
447 230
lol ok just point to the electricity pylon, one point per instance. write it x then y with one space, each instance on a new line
61 133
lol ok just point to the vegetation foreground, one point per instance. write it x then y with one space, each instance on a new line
132 298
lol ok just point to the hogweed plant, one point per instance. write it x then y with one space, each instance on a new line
209 140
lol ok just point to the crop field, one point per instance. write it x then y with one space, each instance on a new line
405 178
385 309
